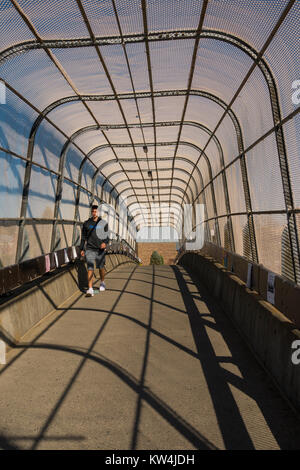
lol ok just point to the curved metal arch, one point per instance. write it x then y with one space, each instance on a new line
177 215
137 211
185 195
112 161
115 173
80 132
200 176
84 98
100 41
170 202
236 126
149 223
164 224
150 144
147 208
163 187
141 144
231 39
161 179
140 221
167 217
122 96
122 126
157 124
125 96
131 39
224 106
130 160
164 198
164 219
177 219
209 33
178 35
177 188
179 143
107 163
174 221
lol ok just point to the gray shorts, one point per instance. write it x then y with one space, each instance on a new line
92 257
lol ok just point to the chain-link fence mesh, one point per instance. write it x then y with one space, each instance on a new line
160 102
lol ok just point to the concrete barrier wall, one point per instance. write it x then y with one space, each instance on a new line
267 331
25 308
287 293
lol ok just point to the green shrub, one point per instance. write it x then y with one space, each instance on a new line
156 258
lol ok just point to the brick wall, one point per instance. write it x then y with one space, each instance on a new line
166 249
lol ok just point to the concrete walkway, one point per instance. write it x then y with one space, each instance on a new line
152 363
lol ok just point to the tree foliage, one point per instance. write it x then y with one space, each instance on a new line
156 258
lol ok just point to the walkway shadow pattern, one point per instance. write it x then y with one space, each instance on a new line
145 314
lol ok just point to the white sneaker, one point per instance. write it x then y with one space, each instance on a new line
102 286
90 292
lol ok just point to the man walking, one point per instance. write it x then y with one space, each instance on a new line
93 244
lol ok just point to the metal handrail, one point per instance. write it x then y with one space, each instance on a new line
16 275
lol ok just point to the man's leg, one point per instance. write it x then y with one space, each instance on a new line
100 264
102 274
90 278
90 259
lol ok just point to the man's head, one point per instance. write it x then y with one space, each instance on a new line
94 211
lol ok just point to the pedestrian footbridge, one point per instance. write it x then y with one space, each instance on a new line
151 363
175 116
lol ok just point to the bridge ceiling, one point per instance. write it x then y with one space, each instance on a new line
189 90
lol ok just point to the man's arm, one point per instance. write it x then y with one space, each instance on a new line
83 238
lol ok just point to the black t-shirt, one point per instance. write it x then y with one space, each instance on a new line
93 234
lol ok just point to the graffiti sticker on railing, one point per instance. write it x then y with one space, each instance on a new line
2 92
296 94
2 352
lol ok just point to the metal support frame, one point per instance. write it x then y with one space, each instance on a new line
58 196
164 93
43 115
166 124
161 179
101 60
146 33
185 192
159 36
122 126
258 60
284 171
189 86
107 163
